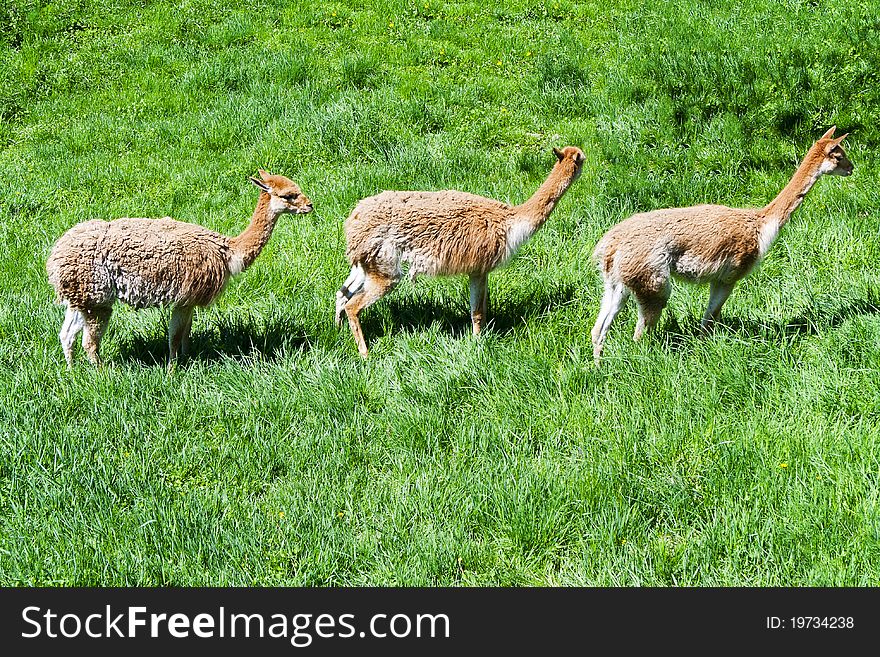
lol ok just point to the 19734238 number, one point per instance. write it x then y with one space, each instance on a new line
822 622
810 622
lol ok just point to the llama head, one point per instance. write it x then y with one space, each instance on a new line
285 195
573 155
834 160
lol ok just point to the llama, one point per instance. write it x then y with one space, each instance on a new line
701 244
439 234
155 262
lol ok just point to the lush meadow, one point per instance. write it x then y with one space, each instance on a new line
276 456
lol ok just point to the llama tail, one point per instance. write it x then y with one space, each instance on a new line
350 287
599 252
603 254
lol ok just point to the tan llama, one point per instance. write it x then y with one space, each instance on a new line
701 244
157 262
438 234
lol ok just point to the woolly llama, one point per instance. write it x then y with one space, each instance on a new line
153 262
438 234
700 244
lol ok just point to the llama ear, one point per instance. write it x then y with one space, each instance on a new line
558 153
260 184
830 133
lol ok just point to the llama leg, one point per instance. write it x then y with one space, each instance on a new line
184 340
718 293
350 287
178 331
343 294
96 321
649 312
374 288
478 290
650 308
613 299
73 324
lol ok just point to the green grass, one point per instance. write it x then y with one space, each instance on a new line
275 456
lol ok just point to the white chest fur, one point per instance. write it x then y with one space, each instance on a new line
766 237
517 235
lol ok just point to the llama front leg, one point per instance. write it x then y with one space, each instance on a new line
178 332
613 299
478 285
718 294
74 321
184 338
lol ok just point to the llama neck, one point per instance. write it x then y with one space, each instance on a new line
250 242
534 212
780 209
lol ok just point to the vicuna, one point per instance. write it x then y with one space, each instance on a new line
155 262
440 233
701 244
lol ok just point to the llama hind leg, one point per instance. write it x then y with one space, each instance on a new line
649 314
375 287
613 300
96 321
651 305
718 294
350 287
74 322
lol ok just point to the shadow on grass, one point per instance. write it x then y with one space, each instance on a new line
816 317
418 314
229 338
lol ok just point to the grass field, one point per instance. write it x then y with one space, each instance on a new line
276 456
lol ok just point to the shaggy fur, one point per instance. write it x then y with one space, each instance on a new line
155 262
702 244
438 234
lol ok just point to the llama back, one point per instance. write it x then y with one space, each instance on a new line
436 233
142 262
702 236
